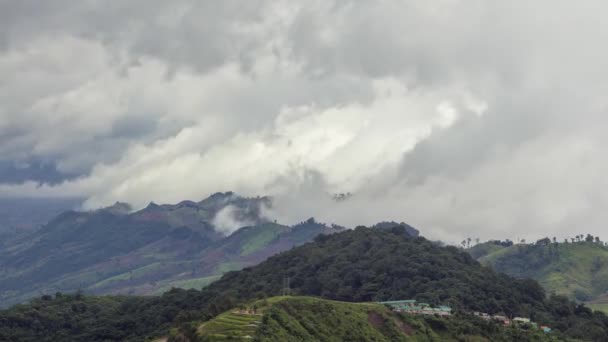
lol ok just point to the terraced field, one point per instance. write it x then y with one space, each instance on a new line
231 326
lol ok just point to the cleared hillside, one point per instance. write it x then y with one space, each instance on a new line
577 270
314 319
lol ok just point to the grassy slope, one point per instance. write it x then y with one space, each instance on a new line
599 307
194 283
577 270
313 319
483 249
304 318
264 236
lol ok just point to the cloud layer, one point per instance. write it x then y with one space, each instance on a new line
464 118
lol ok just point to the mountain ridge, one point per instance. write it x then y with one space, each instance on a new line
114 250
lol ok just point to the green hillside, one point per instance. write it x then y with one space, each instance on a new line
314 319
364 265
361 265
578 270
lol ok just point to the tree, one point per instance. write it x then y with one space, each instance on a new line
589 238
554 240
543 242
597 240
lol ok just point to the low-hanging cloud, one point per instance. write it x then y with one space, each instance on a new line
462 118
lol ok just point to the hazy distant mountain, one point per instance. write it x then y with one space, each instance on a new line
113 250
24 215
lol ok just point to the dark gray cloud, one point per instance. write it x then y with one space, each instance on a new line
461 117
31 170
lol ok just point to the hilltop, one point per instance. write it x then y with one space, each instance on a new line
577 270
116 251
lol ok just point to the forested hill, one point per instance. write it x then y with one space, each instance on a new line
356 266
370 265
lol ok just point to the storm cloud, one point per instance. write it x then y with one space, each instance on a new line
463 118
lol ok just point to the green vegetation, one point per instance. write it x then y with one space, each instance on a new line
314 319
361 265
187 284
365 265
599 307
310 319
483 249
578 270
145 252
268 233
227 267
100 318
231 324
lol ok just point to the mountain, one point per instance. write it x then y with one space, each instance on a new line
578 270
360 265
116 251
20 216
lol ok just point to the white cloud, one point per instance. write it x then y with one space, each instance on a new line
226 221
464 118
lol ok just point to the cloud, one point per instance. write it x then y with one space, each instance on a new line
462 118
225 221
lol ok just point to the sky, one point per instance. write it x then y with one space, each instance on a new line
463 118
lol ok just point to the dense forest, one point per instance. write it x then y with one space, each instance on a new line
358 265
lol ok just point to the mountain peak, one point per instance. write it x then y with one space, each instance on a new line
392 224
119 208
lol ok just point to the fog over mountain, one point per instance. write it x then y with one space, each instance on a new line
463 118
